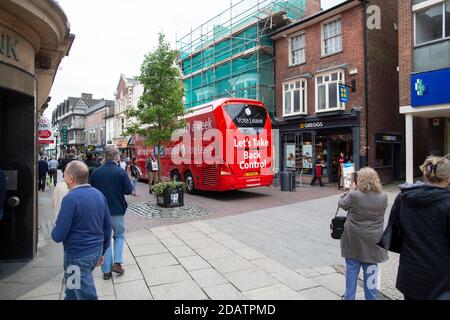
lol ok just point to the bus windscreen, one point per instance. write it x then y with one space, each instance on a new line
246 116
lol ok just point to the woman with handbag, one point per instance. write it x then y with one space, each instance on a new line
366 206
422 213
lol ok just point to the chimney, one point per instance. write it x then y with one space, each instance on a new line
312 7
87 96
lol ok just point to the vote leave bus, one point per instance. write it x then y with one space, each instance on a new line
225 145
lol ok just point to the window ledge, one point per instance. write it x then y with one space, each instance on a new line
331 54
297 65
338 110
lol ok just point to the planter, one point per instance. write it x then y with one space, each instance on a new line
171 198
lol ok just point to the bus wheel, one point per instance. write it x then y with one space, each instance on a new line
175 176
190 183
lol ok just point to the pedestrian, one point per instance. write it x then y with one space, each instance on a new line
152 170
135 174
423 213
114 183
318 169
43 170
84 228
341 161
122 163
2 192
53 170
91 163
70 157
366 205
61 190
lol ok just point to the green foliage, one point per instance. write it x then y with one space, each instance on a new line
172 185
161 105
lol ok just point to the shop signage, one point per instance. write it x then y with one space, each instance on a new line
8 46
290 155
311 125
343 94
64 136
45 133
388 138
430 88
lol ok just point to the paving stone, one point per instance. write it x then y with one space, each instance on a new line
294 281
48 288
274 292
325 270
138 234
207 277
220 236
165 275
191 235
186 290
201 243
156 261
319 293
47 297
249 253
224 292
230 264
250 279
334 282
269 265
142 241
233 244
215 252
193 263
172 242
149 250
135 290
110 297
132 273
308 272
184 251
103 287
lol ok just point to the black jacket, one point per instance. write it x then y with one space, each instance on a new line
424 213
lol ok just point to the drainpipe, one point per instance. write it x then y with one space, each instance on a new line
366 77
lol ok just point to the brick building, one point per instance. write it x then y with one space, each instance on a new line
424 47
317 54
95 125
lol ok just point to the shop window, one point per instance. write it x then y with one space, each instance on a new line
295 97
322 150
327 95
305 155
384 155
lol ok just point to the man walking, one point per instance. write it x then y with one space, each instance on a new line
91 163
114 183
43 169
53 165
84 228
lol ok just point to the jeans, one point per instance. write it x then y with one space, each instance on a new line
370 279
78 276
42 181
135 181
53 173
118 225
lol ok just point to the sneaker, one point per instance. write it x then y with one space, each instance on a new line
117 268
107 276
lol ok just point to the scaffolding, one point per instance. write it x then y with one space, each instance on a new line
232 54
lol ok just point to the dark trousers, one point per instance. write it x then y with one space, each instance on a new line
53 173
317 179
42 179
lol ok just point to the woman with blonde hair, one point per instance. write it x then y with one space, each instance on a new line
423 214
366 204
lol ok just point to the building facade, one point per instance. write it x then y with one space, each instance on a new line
424 47
70 116
127 96
95 126
336 91
34 38
110 121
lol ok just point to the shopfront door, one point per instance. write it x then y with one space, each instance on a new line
18 232
339 143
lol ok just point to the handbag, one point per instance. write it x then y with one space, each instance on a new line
337 226
392 239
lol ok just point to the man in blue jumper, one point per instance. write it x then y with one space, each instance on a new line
84 228
114 183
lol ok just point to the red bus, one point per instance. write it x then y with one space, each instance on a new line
225 145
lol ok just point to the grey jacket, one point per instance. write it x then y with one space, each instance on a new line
364 226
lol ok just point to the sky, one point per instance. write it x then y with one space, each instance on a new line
113 36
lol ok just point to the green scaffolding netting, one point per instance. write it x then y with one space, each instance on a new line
232 54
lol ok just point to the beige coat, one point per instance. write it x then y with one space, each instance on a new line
59 193
364 226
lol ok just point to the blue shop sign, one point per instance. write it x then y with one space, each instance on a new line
430 88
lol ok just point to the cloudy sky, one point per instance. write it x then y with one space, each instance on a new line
112 37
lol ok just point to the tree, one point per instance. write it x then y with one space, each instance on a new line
161 105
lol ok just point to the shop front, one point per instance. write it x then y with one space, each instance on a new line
33 40
303 140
